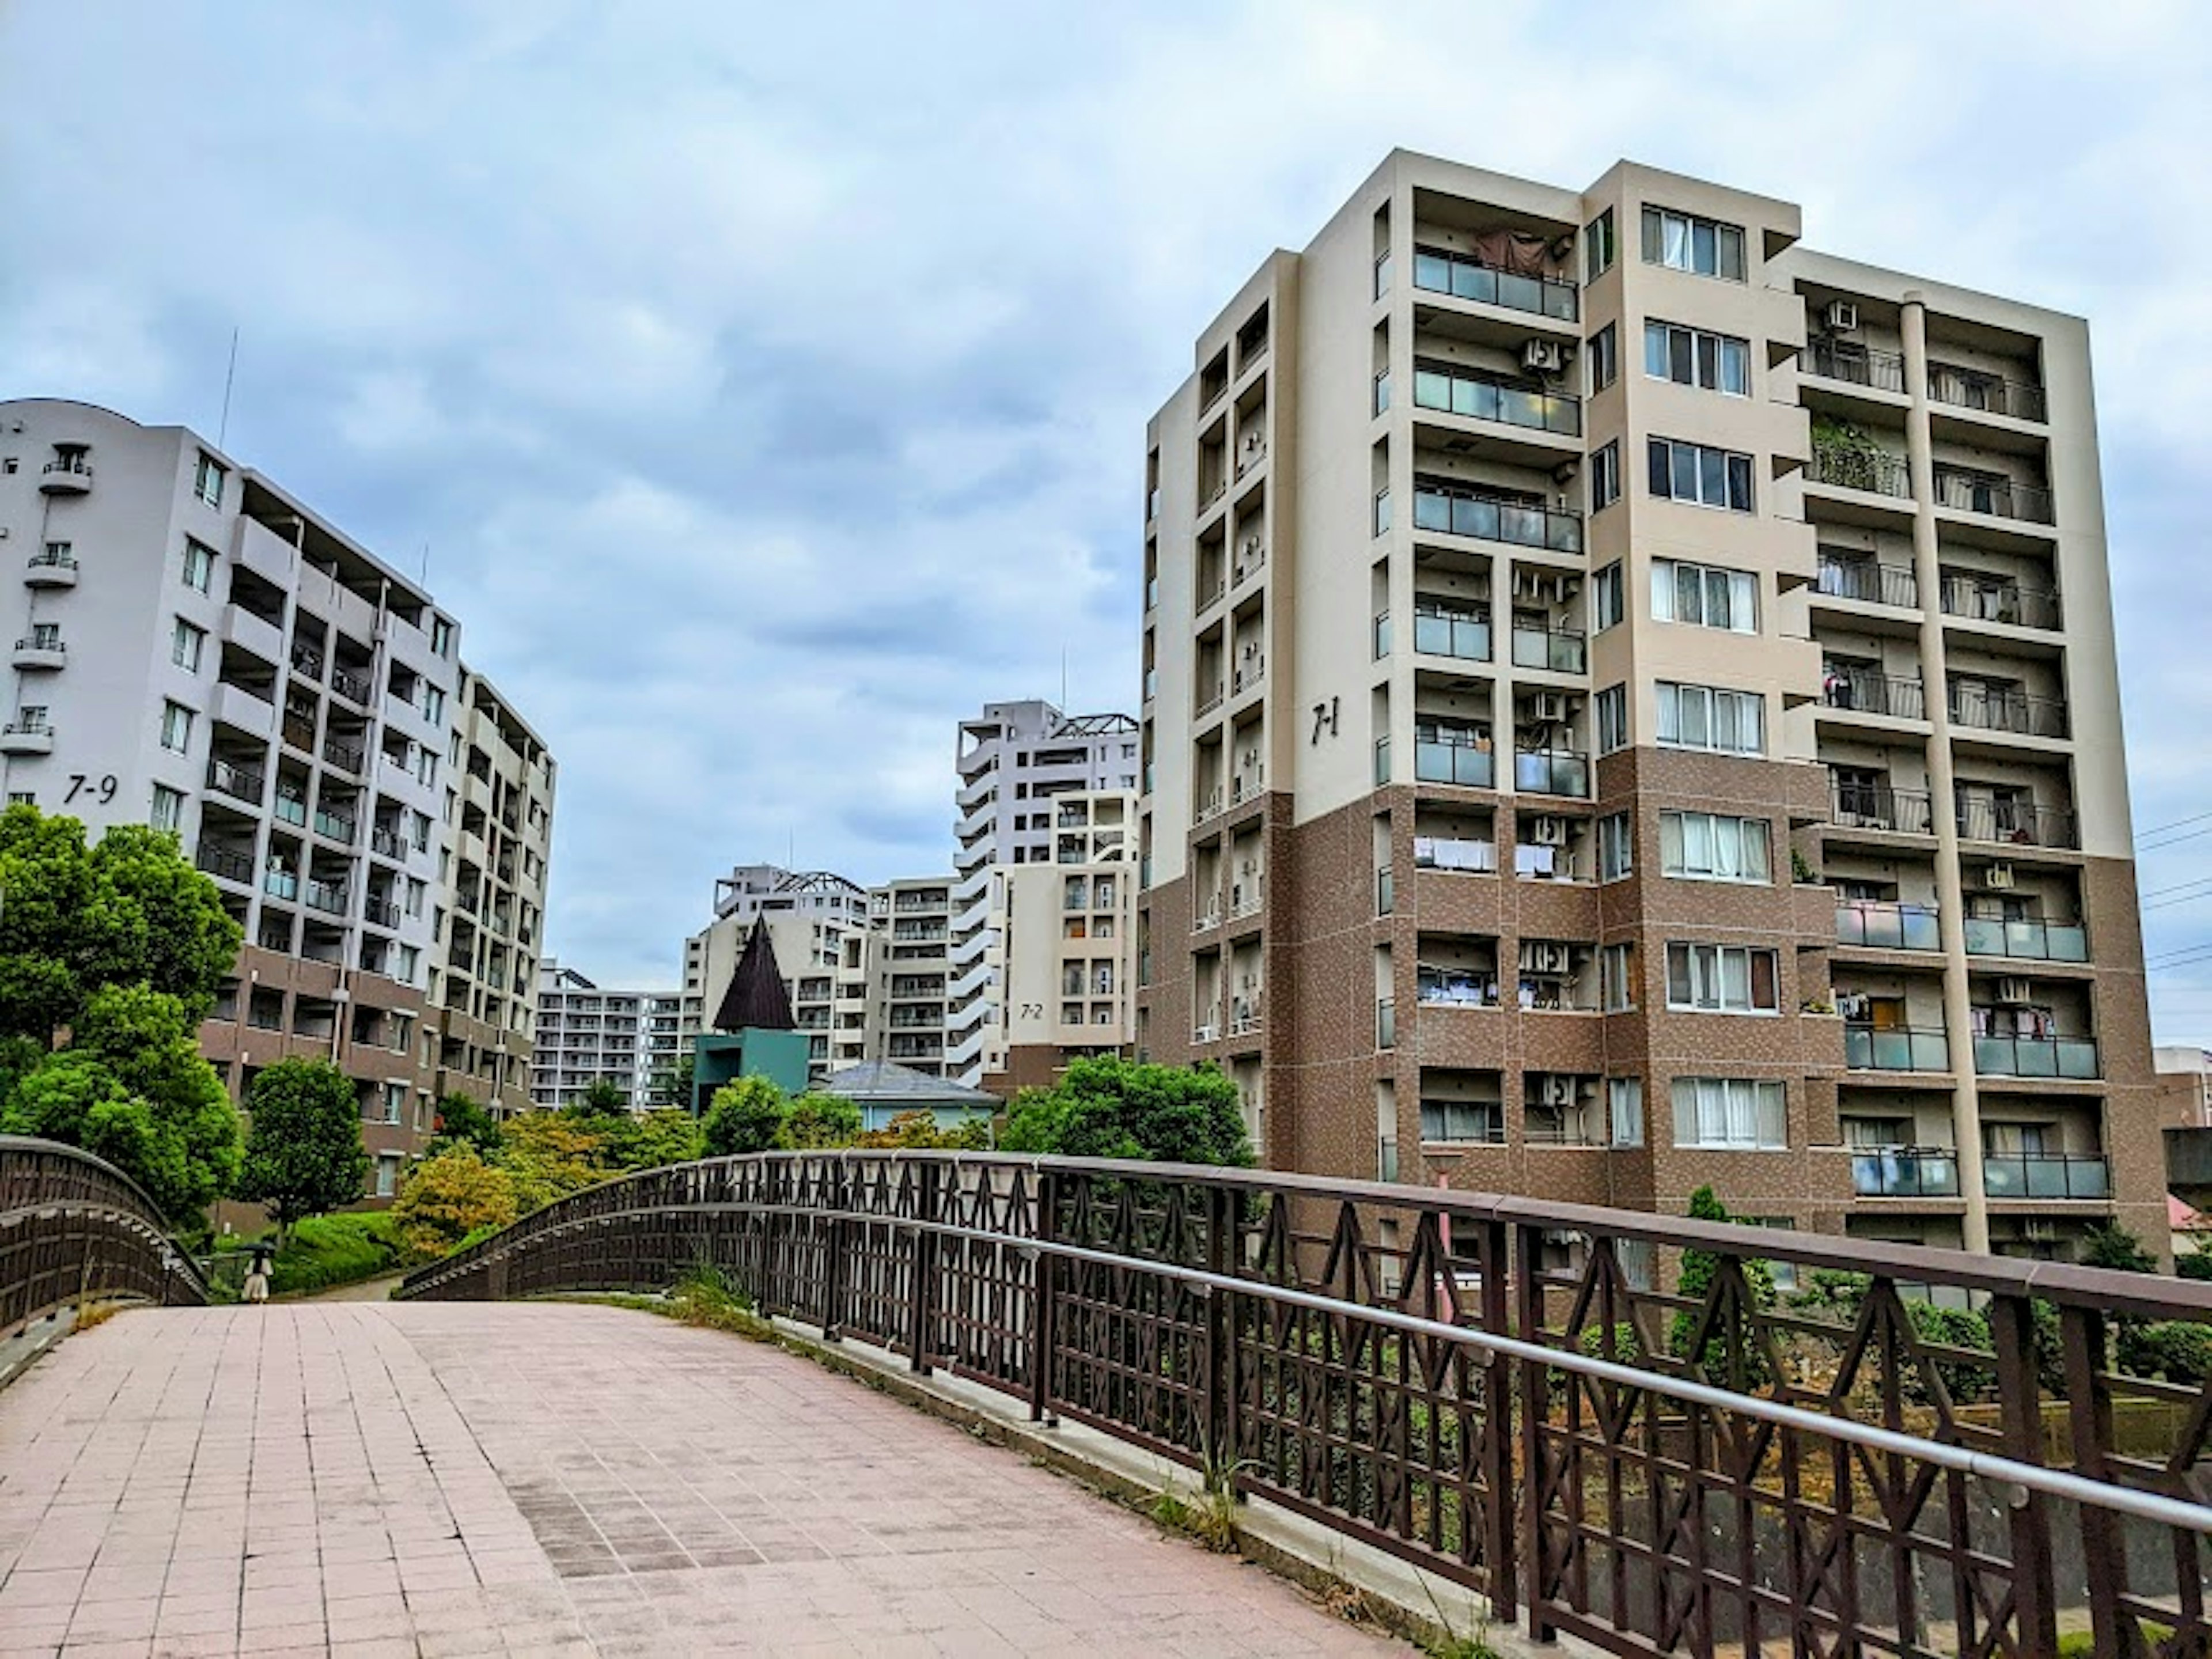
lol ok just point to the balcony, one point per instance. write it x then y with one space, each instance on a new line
1551 772
2014 823
1862 692
2030 1176
2072 1058
2016 604
352 686
1446 390
2019 713
1441 631
227 863
1869 582
1878 806
346 757
69 475
1871 471
387 843
1854 364
1993 495
382 912
1449 757
1560 650
1906 1172
1896 1049
1876 926
1212 700
2027 941
1435 272
280 883
1985 393
335 826
290 809
1455 988
299 731
51 568
1446 852
41 651
240 783
1518 521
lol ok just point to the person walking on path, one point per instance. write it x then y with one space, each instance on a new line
257 1276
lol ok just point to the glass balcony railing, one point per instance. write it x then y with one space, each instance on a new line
1561 650
1896 1049
1447 759
1551 772
2037 1056
1439 272
1438 387
1888 926
290 809
1440 632
2046 1175
2030 941
1456 510
1906 1172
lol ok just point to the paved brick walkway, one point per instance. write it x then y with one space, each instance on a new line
352 1477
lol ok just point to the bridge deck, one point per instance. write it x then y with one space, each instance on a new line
443 1478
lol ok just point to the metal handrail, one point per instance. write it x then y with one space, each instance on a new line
88 1232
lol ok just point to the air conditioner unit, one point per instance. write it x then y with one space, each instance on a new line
1549 831
1555 1091
2013 990
1542 357
1842 317
1547 707
1997 875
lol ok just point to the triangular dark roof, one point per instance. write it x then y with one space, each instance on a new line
756 999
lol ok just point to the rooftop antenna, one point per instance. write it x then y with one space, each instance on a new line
230 376
425 577
1063 677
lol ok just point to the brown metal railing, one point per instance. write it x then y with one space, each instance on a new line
73 1228
1497 1388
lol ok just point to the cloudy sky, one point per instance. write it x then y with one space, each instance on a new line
766 385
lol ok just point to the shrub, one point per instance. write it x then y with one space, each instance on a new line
1111 1107
2194 1264
2179 1350
450 1196
814 1123
745 1116
460 1118
1700 1269
337 1249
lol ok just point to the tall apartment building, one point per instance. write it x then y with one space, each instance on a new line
912 974
587 1034
197 650
810 915
1775 836
492 920
1015 760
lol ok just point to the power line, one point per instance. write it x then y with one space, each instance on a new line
2160 829
2173 841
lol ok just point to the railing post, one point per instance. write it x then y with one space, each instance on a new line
922 1292
1498 1528
1534 1394
2089 1411
833 1263
1044 1283
1215 1440
2011 1329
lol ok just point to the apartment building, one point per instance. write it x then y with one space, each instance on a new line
1015 760
810 915
1776 836
911 972
197 650
589 1034
491 915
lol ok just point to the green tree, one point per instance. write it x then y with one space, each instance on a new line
745 1116
1700 1269
2194 1264
303 1149
133 1089
77 919
461 1119
918 1131
2115 1247
601 1097
817 1122
1111 1107
449 1196
649 1140
673 1086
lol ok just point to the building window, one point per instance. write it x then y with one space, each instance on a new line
1709 846
426 764
1599 248
1741 1113
199 566
185 645
1382 512
1608 597
1616 845
1604 358
1625 1099
1700 474
405 960
207 479
167 811
1682 241
1722 979
387 1174
1617 978
23 797
1605 477
1611 719
1704 596
1698 357
441 636
176 726
1448 1120
1705 717
434 704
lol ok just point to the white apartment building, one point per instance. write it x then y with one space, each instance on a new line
587 1034
196 649
810 915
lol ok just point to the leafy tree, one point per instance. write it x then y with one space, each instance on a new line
918 1131
600 1098
745 1116
133 1089
461 1119
303 1149
817 1121
549 1155
2115 1247
450 1196
1700 1269
1112 1107
648 1140
130 910
2194 1264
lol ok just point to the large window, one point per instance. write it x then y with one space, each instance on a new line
1616 844
184 644
168 808
1698 358
1682 241
1604 358
1463 1120
1706 717
1722 979
1742 1113
1700 474
207 479
1608 597
1599 249
176 726
1625 1096
1709 846
1611 719
199 566
1617 978
1704 596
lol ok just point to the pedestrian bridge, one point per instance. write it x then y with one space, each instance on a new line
1531 1402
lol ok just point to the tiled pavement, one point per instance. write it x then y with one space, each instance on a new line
555 1479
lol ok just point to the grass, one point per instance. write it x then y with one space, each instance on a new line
325 1251
90 1315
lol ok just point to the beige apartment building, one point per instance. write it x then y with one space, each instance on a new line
1630 703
